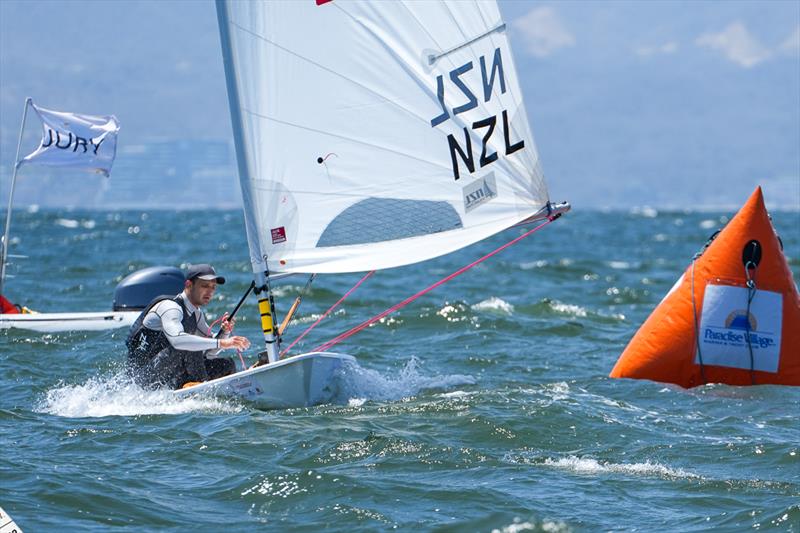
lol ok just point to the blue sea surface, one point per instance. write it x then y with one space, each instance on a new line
483 406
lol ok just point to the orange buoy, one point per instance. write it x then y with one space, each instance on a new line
733 317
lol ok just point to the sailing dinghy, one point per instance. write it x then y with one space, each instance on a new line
60 322
369 135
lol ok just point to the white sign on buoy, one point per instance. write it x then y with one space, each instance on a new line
7 524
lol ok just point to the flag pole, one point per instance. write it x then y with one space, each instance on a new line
4 250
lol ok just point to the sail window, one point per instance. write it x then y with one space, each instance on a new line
387 219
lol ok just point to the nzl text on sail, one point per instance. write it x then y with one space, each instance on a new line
488 124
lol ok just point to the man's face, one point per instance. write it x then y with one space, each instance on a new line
200 291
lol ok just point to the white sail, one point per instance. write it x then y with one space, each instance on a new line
375 134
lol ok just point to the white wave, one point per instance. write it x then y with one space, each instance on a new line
358 383
456 394
645 211
708 224
619 265
390 321
282 486
567 309
67 223
452 312
284 291
530 265
581 312
583 465
313 317
494 304
519 526
116 395
557 391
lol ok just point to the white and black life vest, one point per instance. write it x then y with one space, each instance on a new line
144 344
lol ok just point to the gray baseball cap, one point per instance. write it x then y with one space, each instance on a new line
203 271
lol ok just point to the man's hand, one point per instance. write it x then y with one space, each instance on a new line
227 325
240 343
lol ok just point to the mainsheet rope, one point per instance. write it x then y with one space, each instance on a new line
326 313
336 340
238 351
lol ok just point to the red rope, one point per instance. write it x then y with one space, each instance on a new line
326 313
336 340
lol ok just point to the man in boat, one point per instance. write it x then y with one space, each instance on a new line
171 344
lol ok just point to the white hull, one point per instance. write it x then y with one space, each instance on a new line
298 381
57 322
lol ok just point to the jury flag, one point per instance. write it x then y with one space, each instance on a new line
84 142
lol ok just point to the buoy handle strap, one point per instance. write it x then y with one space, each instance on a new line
707 244
751 256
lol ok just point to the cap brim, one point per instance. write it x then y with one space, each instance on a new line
210 277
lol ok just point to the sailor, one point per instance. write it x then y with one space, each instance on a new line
171 344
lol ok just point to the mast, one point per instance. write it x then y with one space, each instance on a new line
266 303
4 249
266 307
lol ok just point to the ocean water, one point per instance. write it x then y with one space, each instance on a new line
483 406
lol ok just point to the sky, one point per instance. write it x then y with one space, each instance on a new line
674 104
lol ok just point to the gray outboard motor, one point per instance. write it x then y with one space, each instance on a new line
138 289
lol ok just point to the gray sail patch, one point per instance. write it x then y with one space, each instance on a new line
388 219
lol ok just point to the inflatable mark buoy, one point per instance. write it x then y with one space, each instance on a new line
733 317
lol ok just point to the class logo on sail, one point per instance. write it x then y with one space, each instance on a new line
479 192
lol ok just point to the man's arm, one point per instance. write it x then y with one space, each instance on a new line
170 316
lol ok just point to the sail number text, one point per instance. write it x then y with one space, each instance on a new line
486 126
